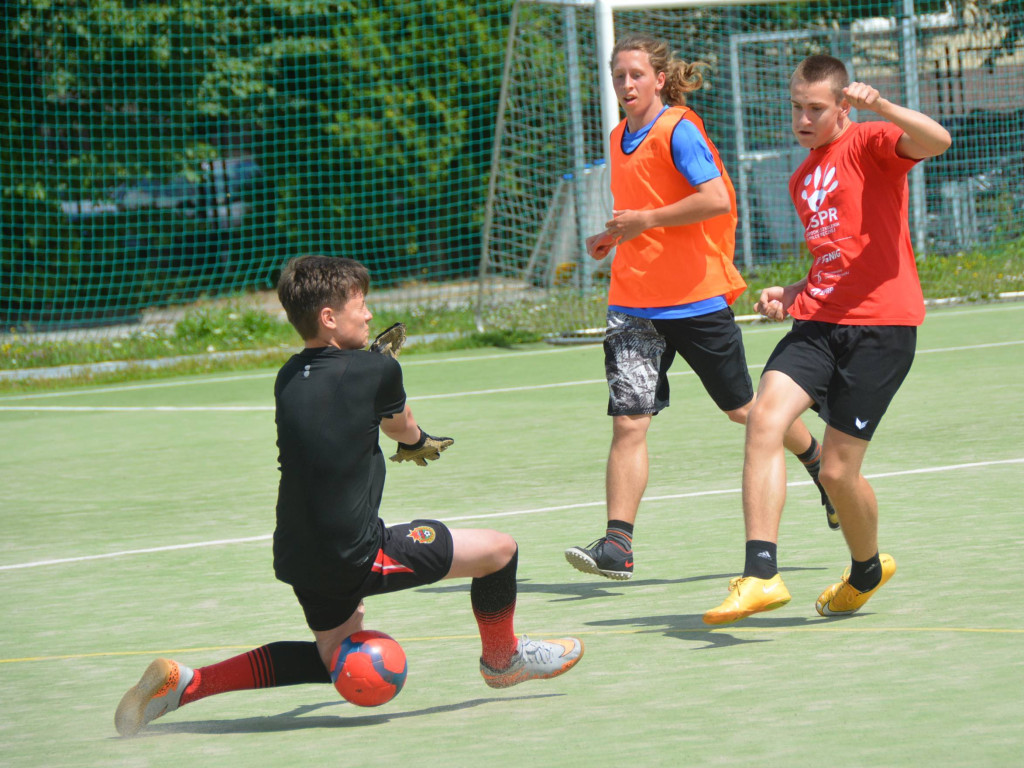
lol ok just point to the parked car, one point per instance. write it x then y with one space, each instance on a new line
210 231
222 192
974 185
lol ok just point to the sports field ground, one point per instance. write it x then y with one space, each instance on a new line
137 520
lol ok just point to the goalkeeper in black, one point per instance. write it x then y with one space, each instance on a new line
332 401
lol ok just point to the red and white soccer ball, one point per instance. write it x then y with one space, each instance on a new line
369 668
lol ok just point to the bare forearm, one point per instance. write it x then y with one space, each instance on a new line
402 427
922 136
926 137
774 302
791 291
710 199
689 210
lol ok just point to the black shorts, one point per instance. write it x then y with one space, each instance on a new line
639 352
410 555
712 345
851 372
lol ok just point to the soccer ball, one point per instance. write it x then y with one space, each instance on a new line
369 668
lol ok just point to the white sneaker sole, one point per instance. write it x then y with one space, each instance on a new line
157 693
583 562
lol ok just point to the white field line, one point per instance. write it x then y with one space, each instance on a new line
137 408
468 393
759 328
271 374
509 513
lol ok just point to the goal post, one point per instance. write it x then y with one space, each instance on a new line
604 23
557 98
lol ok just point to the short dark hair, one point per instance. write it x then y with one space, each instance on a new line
819 68
310 283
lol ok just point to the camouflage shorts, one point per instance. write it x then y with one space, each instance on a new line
632 359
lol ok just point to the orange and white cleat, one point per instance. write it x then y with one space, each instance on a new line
157 693
535 660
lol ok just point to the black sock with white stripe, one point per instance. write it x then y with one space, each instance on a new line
761 559
866 575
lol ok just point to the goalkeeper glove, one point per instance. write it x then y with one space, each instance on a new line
427 448
389 342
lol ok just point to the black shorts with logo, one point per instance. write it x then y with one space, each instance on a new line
851 372
410 555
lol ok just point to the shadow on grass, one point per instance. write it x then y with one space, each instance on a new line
598 586
691 627
296 719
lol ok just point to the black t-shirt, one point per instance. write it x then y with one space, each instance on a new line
329 406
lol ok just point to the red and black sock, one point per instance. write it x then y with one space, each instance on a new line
269 666
811 458
621 533
494 605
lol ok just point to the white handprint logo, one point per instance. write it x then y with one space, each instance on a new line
821 183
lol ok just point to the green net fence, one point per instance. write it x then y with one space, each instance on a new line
156 153
962 63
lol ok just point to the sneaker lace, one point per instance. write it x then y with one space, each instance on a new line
844 582
536 650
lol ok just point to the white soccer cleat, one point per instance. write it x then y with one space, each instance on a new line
157 693
535 660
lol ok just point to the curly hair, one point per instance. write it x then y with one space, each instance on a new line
681 77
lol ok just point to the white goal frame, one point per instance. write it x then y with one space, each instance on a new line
578 187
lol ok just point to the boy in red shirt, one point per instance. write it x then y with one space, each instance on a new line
854 331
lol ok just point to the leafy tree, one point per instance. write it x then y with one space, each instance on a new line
370 123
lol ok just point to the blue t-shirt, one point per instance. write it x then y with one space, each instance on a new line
692 158
693 309
690 152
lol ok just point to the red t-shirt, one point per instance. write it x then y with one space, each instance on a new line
851 196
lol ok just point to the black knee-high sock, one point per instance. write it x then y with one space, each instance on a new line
269 666
811 458
295 663
494 605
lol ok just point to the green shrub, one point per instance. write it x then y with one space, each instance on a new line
237 326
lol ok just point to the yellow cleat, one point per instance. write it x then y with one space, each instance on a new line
748 595
841 599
